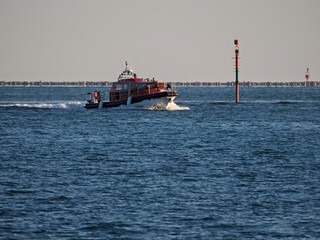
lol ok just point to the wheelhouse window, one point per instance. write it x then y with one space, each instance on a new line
119 87
141 85
153 85
160 85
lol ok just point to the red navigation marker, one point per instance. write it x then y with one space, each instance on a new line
236 52
307 77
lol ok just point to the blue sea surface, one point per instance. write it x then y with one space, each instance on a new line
212 169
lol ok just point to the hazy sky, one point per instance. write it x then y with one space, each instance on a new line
171 40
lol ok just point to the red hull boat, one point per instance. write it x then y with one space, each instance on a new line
130 89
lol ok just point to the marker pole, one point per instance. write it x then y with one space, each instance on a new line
236 52
307 77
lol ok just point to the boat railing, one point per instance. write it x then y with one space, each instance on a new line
171 87
102 96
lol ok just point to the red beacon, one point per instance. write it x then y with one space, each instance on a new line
130 89
236 53
307 77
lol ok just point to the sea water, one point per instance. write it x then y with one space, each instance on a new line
207 169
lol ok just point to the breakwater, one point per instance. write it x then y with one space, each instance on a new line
177 84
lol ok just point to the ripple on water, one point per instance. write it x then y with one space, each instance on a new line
218 170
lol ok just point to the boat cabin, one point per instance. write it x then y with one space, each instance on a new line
123 89
129 84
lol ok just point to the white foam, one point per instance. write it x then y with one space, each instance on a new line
153 104
62 105
174 107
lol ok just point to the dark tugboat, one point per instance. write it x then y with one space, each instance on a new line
129 89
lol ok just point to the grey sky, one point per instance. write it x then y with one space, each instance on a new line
172 40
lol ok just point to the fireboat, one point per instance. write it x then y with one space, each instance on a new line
130 89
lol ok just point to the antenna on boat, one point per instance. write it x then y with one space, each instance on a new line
126 65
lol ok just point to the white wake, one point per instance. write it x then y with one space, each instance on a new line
160 104
152 104
174 107
60 105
